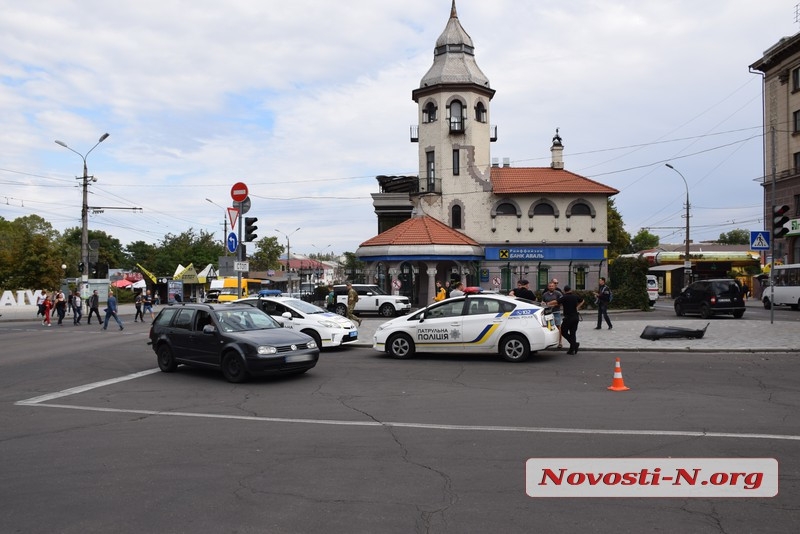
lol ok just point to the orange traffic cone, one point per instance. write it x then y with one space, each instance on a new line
618 384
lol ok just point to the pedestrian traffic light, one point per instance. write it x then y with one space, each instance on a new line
779 219
80 267
249 229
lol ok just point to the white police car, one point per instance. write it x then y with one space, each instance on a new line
327 328
471 323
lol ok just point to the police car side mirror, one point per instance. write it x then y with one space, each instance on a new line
287 315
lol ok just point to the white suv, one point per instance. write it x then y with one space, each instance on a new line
371 299
652 289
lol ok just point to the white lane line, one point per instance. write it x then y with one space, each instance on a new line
87 387
40 402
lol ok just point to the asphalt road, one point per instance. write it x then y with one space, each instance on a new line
364 443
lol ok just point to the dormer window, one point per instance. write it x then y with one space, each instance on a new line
429 113
456 110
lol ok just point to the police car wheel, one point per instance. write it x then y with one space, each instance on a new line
400 346
514 348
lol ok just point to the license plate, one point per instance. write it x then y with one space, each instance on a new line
299 358
353 333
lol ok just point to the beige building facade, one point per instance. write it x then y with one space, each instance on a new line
780 70
468 217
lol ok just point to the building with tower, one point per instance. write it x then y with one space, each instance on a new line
466 217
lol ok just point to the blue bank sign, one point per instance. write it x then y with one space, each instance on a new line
544 253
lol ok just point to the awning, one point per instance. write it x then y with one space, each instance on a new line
664 268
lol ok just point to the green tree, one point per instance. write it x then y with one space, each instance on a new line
353 268
110 254
185 248
619 241
735 237
29 257
644 240
627 279
266 255
144 254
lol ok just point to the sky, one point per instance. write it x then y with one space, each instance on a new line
306 102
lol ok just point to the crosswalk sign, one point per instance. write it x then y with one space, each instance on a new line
759 240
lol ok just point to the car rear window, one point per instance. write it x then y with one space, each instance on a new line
724 287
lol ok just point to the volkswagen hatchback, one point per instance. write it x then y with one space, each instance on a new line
711 297
238 340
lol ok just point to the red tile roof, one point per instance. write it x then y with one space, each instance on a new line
424 230
510 180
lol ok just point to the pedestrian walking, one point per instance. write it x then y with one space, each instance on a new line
40 303
571 304
352 299
77 308
137 303
148 304
603 296
550 295
61 307
47 305
111 311
94 305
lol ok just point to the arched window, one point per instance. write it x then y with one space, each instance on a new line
506 209
480 112
456 117
580 209
429 112
455 217
543 209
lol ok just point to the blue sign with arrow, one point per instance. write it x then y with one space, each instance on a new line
233 242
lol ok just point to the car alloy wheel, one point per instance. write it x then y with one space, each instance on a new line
514 348
400 346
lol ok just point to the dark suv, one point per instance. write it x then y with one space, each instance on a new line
237 339
711 297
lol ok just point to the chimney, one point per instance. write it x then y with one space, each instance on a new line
495 162
506 162
557 151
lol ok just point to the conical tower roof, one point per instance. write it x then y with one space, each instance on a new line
454 57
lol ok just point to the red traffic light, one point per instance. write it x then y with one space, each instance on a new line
779 219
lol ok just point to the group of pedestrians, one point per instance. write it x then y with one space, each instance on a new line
57 306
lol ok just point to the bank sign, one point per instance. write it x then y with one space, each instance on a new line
509 253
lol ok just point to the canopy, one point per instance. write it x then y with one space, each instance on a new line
122 283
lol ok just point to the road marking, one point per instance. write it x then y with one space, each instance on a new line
40 401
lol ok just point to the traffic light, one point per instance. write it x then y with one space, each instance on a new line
250 227
80 267
779 218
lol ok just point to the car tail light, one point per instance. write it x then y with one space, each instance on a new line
713 299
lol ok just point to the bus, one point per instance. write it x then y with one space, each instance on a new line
785 290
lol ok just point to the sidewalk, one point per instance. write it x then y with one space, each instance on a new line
724 334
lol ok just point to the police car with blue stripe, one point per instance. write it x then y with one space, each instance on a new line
512 327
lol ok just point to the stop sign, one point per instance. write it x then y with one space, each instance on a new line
239 192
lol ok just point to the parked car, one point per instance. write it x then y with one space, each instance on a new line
652 289
711 297
238 340
512 327
327 328
371 299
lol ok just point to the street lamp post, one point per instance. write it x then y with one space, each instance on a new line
288 257
224 225
85 206
687 262
319 255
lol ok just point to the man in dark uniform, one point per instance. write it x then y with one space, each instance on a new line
523 291
570 303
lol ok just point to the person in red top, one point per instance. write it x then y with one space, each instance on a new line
48 305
